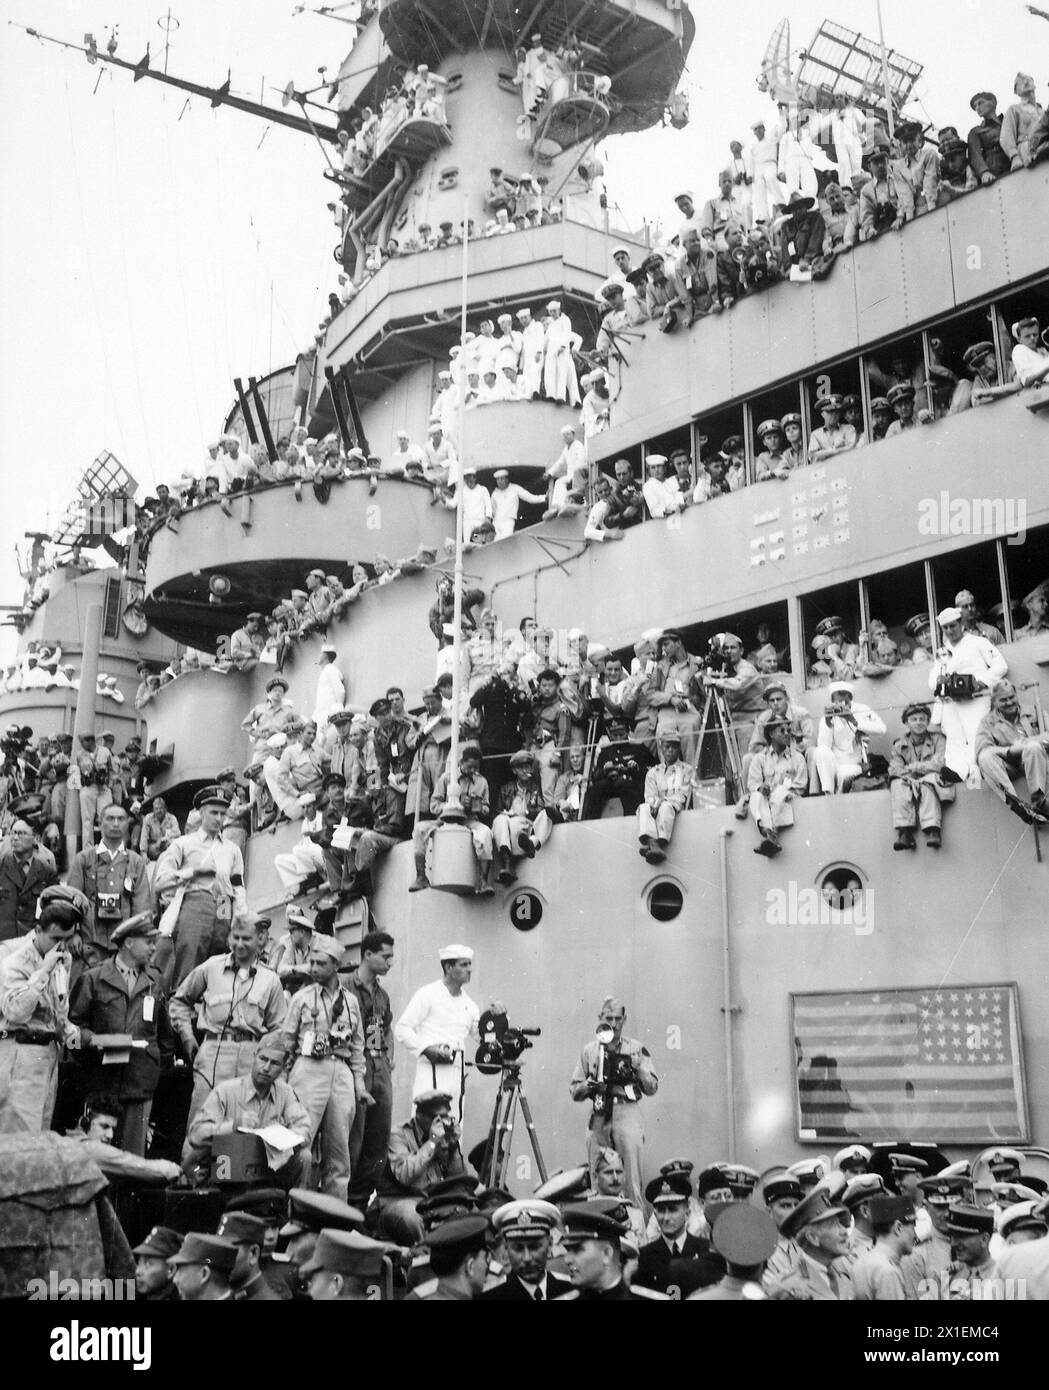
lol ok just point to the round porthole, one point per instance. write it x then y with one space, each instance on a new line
842 888
665 901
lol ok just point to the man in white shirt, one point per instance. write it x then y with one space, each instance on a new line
331 688
436 1025
506 499
661 497
477 501
840 754
964 654
404 453
1030 359
533 354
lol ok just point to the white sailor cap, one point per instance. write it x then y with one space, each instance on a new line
949 615
455 952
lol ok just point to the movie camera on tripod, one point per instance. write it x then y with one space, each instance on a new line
501 1045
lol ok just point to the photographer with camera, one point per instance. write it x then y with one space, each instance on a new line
423 1151
34 1012
841 751
966 670
739 681
90 775
613 1073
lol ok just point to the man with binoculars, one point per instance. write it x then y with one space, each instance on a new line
613 1073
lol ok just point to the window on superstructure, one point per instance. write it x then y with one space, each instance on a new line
976 569
1028 303
901 363
830 631
892 605
946 344
672 445
111 610
720 427
764 632
783 402
844 379
1027 567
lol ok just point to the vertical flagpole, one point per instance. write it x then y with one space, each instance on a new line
452 804
885 74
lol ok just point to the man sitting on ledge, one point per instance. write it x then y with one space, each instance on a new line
1008 741
668 787
776 776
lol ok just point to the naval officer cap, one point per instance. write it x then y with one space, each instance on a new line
941 1190
140 925
528 1217
668 1189
710 1180
1002 1158
1022 1216
210 796
907 1163
852 1153
862 1189
964 1219
782 1185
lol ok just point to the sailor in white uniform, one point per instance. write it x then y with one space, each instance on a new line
437 1024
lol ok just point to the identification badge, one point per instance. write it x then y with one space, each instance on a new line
148 1008
394 752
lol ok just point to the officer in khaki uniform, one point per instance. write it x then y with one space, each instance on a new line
615 1121
820 1225
324 1032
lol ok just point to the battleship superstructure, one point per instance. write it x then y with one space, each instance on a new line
707 951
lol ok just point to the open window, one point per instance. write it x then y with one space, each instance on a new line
831 624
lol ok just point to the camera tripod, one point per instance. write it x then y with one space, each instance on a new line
725 758
500 1133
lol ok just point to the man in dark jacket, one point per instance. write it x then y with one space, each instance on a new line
124 995
659 1263
986 156
526 1228
505 714
26 869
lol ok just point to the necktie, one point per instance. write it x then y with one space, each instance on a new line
537 1297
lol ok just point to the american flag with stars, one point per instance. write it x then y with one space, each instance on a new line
941 1064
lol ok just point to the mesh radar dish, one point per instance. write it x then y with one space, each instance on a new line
841 63
102 503
776 77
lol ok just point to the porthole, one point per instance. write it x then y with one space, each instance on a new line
665 900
